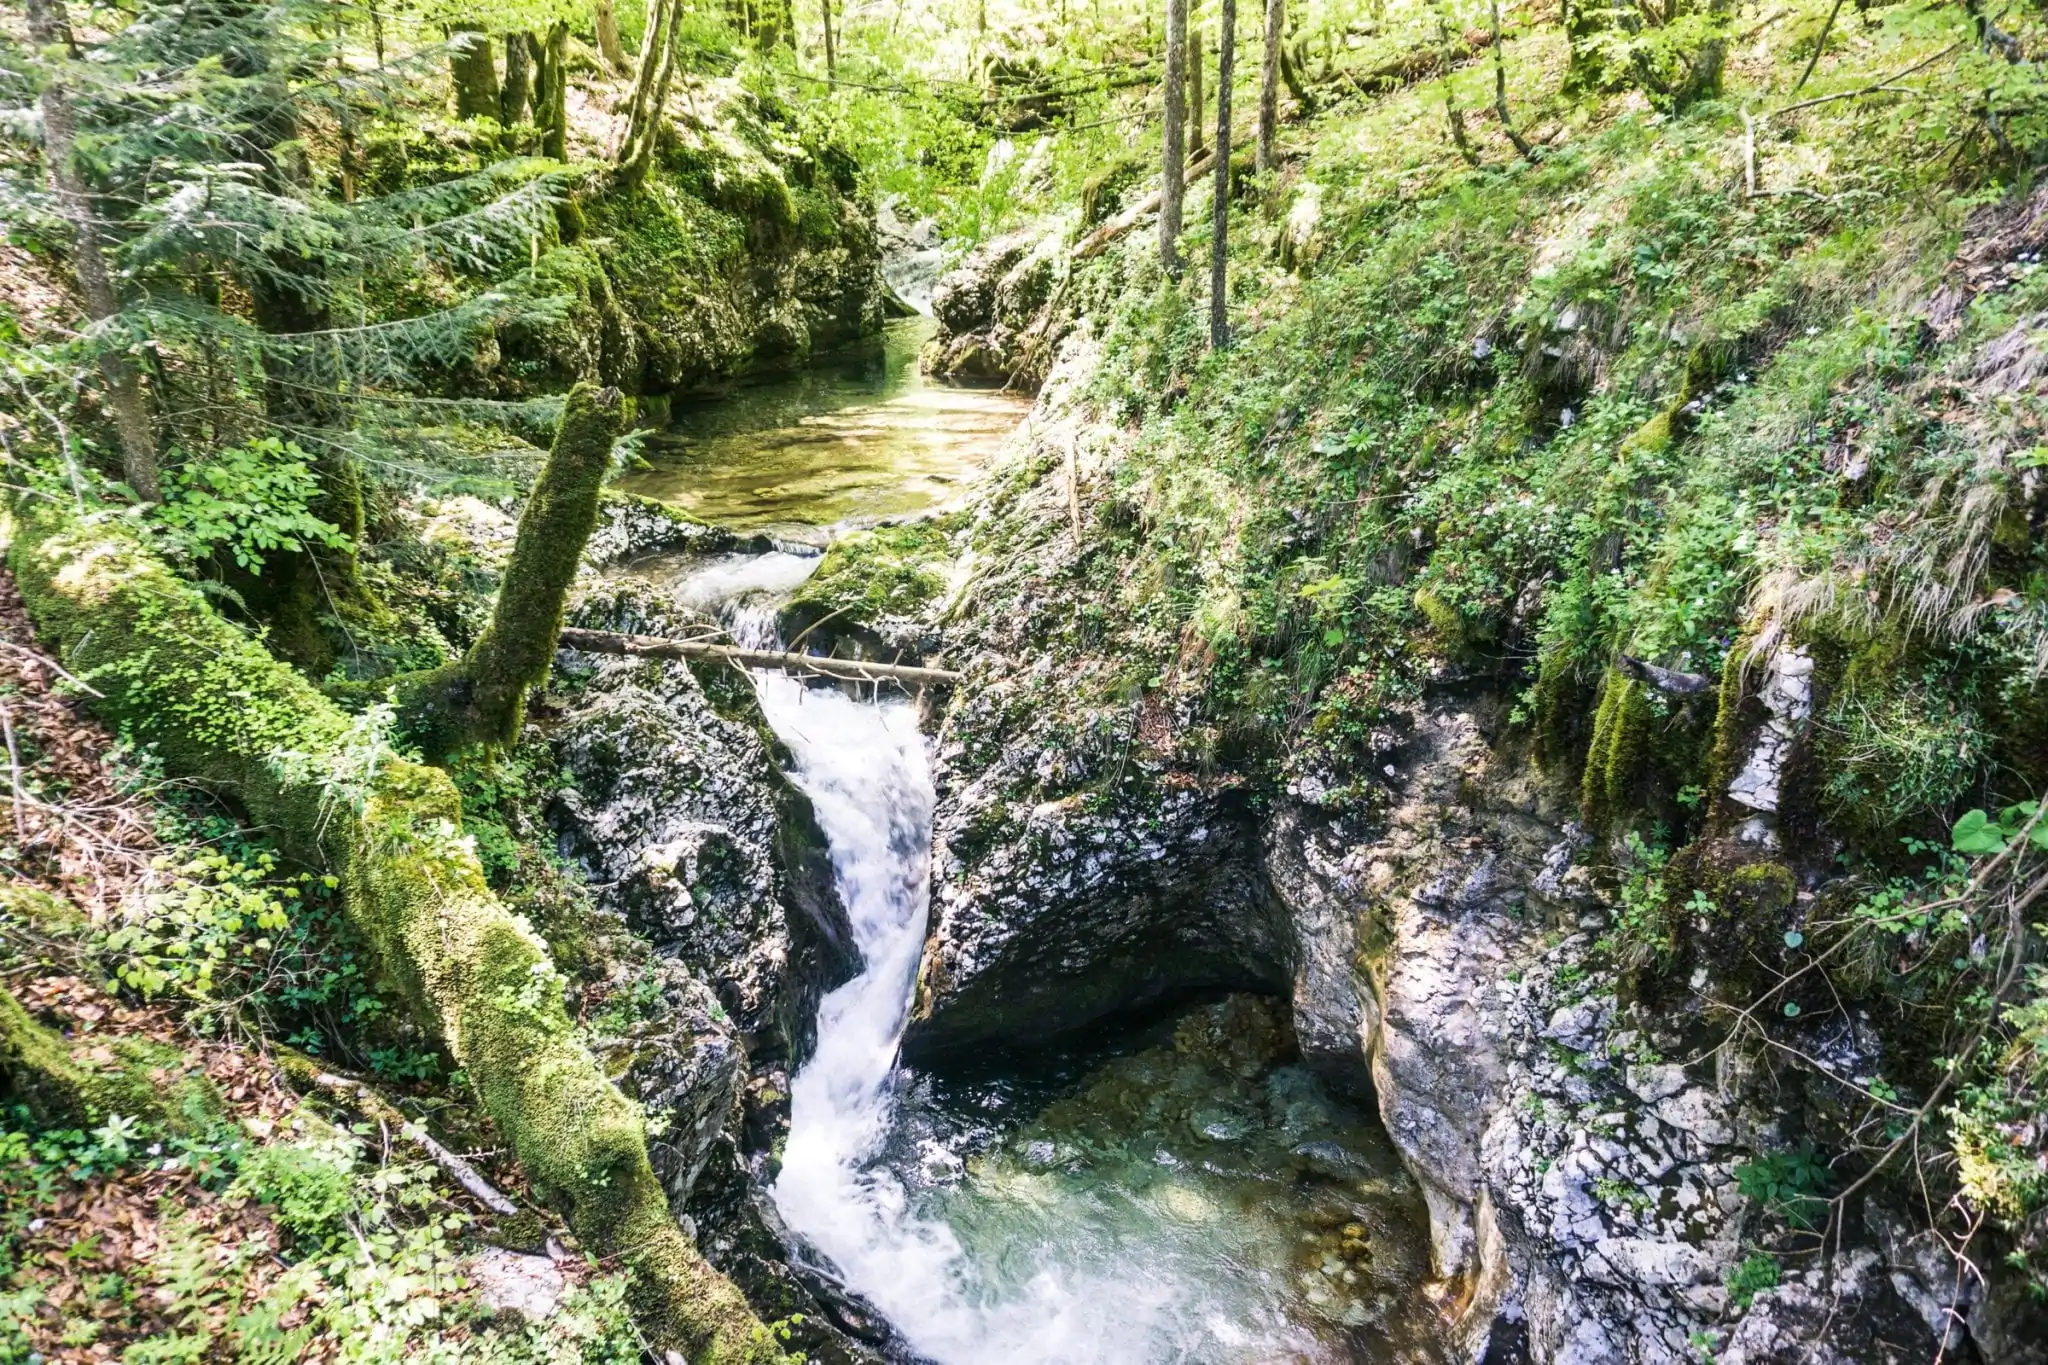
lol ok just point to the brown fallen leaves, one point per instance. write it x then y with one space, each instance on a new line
68 823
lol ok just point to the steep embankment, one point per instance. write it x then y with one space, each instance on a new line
220 711
749 245
1527 650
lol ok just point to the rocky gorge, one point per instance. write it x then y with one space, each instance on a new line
1415 736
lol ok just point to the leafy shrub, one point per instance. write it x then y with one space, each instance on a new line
307 1185
245 501
1752 1277
212 911
1786 1184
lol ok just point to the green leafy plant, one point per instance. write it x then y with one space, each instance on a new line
307 1185
1756 1273
1786 1184
246 501
1977 833
211 912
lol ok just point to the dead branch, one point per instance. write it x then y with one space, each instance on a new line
845 670
459 1170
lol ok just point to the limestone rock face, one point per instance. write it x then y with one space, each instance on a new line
1431 916
994 326
689 831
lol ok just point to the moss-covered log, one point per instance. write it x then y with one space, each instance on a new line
218 709
74 1085
480 698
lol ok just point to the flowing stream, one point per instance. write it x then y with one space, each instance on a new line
1184 1194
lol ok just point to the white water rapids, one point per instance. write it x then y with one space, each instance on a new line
1142 1259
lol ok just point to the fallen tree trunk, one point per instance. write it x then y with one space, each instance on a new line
219 710
847 670
1094 242
1419 63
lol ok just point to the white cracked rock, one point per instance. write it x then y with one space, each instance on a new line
509 1282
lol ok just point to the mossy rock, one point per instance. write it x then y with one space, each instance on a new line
1728 905
887 572
593 339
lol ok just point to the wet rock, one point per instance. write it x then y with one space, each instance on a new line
684 1061
631 527
689 831
1333 1005
1052 917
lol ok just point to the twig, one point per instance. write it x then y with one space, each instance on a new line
1074 485
44 661
2016 945
1819 46
1884 84
459 1170
1749 154
13 771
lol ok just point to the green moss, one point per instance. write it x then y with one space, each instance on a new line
81 1085
888 571
1729 908
481 698
1447 626
1614 759
593 338
218 710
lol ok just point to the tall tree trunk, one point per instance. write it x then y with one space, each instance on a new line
608 43
1196 135
831 52
1173 167
551 93
1269 82
475 73
518 91
650 92
1219 253
481 698
51 28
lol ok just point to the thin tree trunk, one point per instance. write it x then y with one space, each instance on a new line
551 107
518 91
608 42
831 54
475 73
1197 138
1269 83
1500 93
1173 168
650 93
50 27
1219 253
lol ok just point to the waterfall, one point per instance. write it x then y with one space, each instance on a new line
1028 1271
